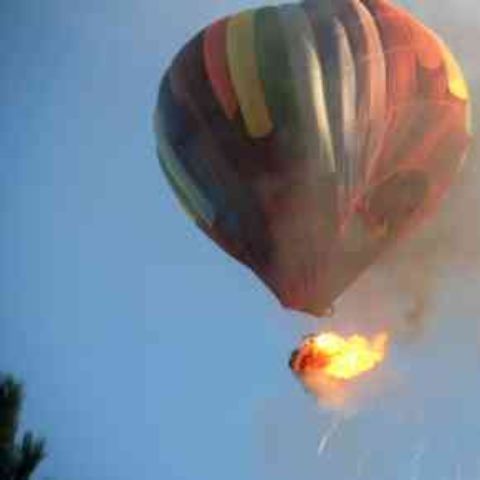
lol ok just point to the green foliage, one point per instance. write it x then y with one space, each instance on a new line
18 460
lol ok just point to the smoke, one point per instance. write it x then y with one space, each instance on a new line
401 292
449 245
418 271
403 288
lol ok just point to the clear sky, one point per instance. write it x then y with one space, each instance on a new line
145 351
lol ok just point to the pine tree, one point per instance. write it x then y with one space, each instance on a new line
18 460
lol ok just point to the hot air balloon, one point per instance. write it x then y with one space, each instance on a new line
307 139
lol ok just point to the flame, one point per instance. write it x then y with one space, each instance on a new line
338 357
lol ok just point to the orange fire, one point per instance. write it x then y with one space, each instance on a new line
337 357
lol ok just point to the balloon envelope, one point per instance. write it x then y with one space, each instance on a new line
306 139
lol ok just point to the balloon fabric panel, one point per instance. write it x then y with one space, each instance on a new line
216 64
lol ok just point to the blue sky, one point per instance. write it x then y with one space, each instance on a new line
146 352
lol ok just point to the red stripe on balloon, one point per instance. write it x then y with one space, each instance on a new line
216 63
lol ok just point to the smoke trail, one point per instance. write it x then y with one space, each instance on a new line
402 288
450 243
325 438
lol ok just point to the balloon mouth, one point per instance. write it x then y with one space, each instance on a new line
316 311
